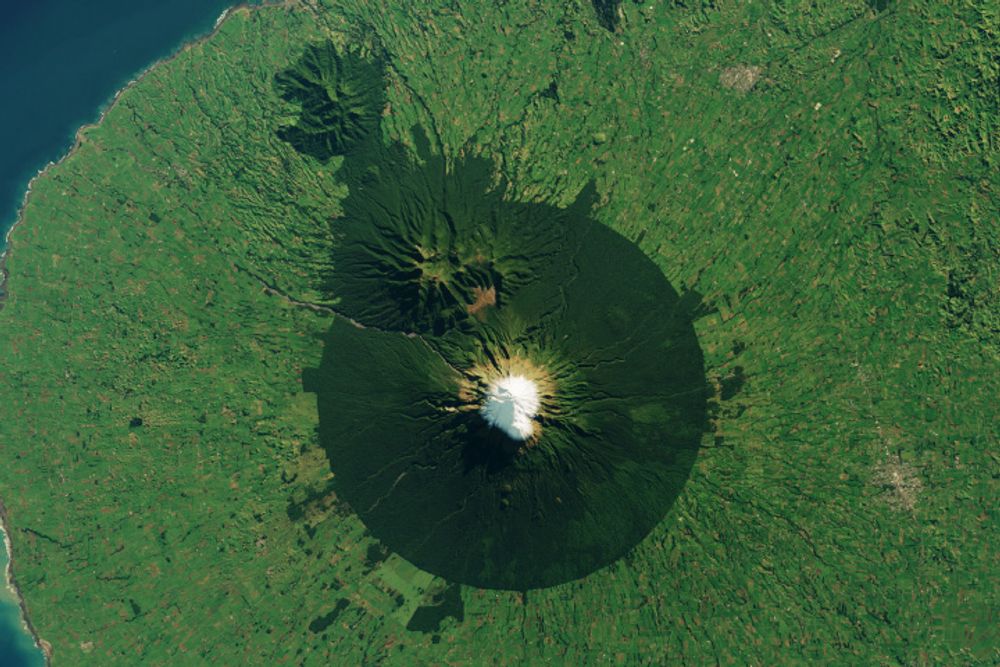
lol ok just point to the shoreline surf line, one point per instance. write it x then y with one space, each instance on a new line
43 646
7 247
11 580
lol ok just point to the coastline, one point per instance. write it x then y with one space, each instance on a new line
11 583
8 238
7 248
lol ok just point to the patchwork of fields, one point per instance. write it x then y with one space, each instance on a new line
818 183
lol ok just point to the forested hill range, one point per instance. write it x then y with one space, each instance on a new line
816 182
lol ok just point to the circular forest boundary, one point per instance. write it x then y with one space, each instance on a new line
817 186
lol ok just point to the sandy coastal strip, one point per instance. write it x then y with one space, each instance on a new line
11 584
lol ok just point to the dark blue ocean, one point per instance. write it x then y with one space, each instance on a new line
61 62
17 649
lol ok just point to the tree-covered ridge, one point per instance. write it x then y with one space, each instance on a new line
834 209
341 94
448 285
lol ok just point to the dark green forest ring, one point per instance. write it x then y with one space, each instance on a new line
409 451
448 282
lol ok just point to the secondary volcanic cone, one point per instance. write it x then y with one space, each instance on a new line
340 95
523 444
525 395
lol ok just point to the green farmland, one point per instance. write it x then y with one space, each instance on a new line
809 192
